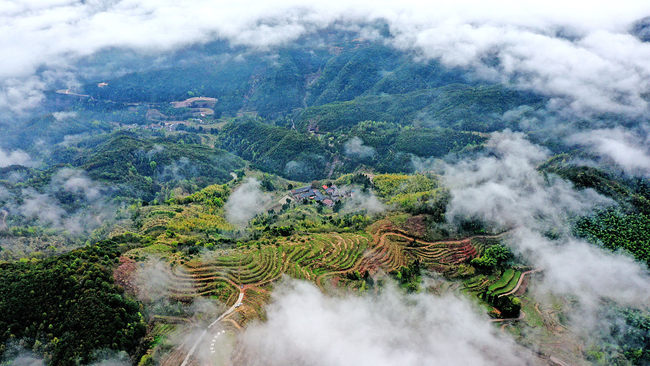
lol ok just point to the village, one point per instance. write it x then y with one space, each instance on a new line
328 194
191 111
196 109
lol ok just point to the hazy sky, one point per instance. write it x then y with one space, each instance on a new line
580 51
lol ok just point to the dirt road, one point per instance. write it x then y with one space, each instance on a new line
521 280
522 315
205 331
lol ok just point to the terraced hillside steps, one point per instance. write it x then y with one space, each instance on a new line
324 258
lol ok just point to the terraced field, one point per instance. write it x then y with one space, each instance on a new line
195 221
327 259
477 283
505 284
255 269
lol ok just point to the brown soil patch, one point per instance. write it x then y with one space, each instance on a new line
124 274
416 226
524 285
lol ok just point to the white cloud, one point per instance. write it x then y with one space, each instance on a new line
26 359
76 181
19 94
505 189
362 201
246 202
306 327
93 208
41 206
16 157
624 148
60 116
580 52
355 148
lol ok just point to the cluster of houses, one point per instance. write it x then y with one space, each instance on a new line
328 196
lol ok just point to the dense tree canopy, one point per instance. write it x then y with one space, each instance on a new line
67 307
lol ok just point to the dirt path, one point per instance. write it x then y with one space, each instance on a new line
234 323
205 331
522 315
521 280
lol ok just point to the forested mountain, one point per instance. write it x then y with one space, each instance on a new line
171 203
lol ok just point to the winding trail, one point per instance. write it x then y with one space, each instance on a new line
521 280
205 331
522 315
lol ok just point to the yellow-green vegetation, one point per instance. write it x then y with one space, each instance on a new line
417 194
314 218
476 283
299 239
214 195
332 258
208 257
155 249
390 185
197 218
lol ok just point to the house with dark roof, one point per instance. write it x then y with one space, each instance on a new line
301 190
330 196
318 196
